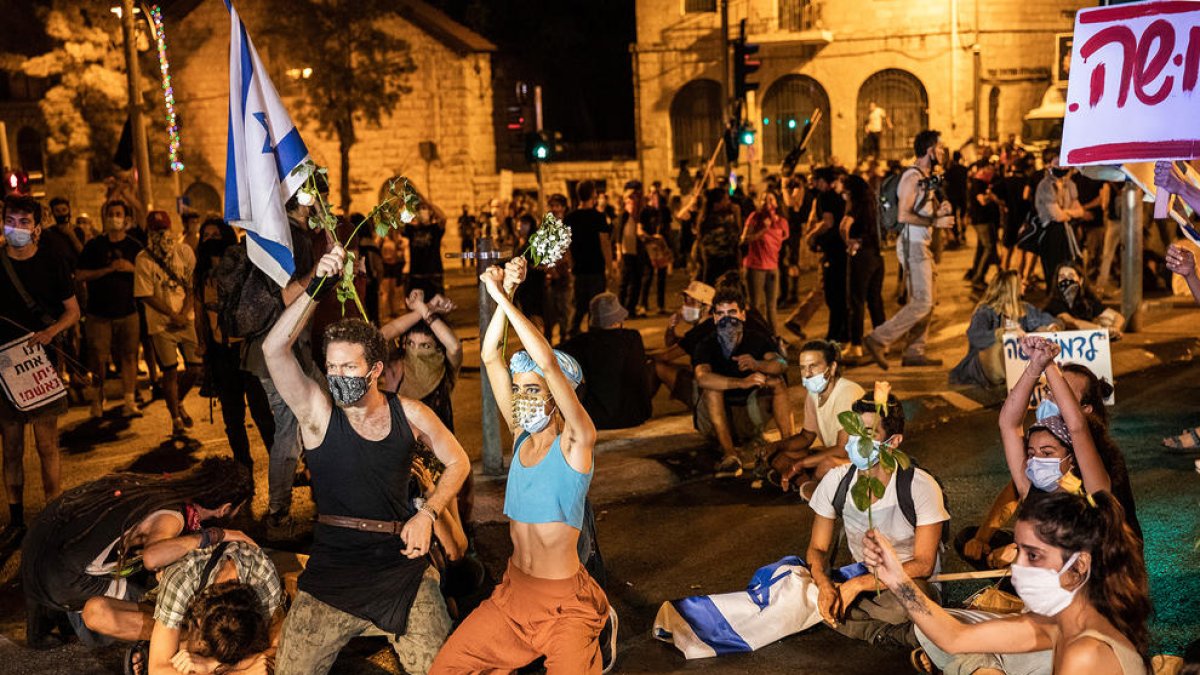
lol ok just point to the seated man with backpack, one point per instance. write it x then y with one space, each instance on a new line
911 514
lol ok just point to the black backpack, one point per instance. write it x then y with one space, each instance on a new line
904 499
889 202
248 301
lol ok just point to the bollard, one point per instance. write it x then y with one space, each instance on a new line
1131 259
493 456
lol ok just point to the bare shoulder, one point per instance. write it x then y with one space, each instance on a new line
1087 655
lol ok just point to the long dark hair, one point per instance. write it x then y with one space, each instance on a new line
215 482
226 622
862 203
1095 392
1118 587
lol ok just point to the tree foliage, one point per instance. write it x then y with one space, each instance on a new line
360 65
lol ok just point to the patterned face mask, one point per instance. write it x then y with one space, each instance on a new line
529 412
347 389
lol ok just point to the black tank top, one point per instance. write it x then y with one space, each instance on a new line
363 573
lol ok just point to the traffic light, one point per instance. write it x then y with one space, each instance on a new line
542 146
16 183
745 63
746 135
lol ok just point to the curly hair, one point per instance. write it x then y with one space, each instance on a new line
893 421
226 622
359 332
1118 586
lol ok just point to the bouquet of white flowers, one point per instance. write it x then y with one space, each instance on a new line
550 243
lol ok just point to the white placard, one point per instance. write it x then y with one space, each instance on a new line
1135 84
1090 348
28 376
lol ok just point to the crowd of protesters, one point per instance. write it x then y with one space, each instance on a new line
150 562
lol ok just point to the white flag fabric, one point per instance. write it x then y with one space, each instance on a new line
264 147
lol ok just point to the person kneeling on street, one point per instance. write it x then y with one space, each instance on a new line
737 370
911 513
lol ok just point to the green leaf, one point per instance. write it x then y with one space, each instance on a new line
902 459
887 460
860 493
381 229
313 222
876 485
852 423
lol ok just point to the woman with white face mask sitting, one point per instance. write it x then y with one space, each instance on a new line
1081 575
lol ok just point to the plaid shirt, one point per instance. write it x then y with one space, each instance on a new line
181 581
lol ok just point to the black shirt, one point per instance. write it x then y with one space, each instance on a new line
363 573
1086 306
615 391
110 296
830 241
1088 190
424 248
586 226
47 279
57 242
754 343
864 228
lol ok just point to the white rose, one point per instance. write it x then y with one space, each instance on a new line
304 198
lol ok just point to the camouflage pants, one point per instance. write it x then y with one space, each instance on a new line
314 633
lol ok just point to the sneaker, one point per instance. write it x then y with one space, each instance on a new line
876 351
186 418
608 641
130 411
177 428
729 467
920 360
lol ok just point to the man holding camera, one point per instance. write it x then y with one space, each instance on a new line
921 210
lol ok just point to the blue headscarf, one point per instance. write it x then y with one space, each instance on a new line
522 362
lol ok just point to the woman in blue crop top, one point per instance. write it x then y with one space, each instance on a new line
546 591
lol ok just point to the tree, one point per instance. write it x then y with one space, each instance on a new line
86 103
359 67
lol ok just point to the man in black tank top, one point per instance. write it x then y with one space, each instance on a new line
369 571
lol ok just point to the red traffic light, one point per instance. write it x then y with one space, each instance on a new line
16 183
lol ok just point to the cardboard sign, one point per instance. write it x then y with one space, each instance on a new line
28 376
1133 94
1090 348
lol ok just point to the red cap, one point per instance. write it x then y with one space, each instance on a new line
158 220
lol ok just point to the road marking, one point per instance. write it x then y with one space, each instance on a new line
959 401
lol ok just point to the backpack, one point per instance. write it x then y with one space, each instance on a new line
889 202
904 499
248 301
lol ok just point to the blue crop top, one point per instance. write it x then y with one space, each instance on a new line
547 492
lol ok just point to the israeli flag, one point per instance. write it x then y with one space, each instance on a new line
263 149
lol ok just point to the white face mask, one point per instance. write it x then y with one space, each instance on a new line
1044 472
690 314
817 383
1041 589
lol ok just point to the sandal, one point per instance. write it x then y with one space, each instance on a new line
1188 440
137 657
921 662
806 490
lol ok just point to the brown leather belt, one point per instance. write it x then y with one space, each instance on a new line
363 524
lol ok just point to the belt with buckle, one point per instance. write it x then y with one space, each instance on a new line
392 527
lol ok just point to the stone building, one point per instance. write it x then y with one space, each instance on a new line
441 135
920 61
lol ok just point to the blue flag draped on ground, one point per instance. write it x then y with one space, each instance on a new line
264 147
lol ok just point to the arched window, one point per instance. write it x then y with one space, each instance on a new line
695 121
787 106
30 150
994 114
203 198
902 97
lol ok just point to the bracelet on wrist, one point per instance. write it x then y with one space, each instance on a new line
429 511
320 287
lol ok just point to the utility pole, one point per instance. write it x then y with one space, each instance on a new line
537 120
726 86
976 86
133 77
1131 259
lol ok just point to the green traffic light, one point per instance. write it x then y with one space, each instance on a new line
791 124
747 138
541 152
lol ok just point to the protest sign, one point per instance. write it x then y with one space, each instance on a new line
28 376
1132 95
1090 348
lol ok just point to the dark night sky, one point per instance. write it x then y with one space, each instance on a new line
578 50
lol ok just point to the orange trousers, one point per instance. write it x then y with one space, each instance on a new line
528 617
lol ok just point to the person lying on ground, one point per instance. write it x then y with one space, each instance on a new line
820 444
1081 575
848 606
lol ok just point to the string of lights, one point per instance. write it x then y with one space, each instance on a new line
164 66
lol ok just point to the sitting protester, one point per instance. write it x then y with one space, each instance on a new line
1081 576
685 329
1002 310
737 369
202 581
797 458
89 550
1077 307
620 385
425 368
911 515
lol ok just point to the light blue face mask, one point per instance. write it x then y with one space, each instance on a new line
1046 408
860 461
817 383
17 237
1044 472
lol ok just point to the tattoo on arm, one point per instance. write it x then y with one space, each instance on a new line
912 599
